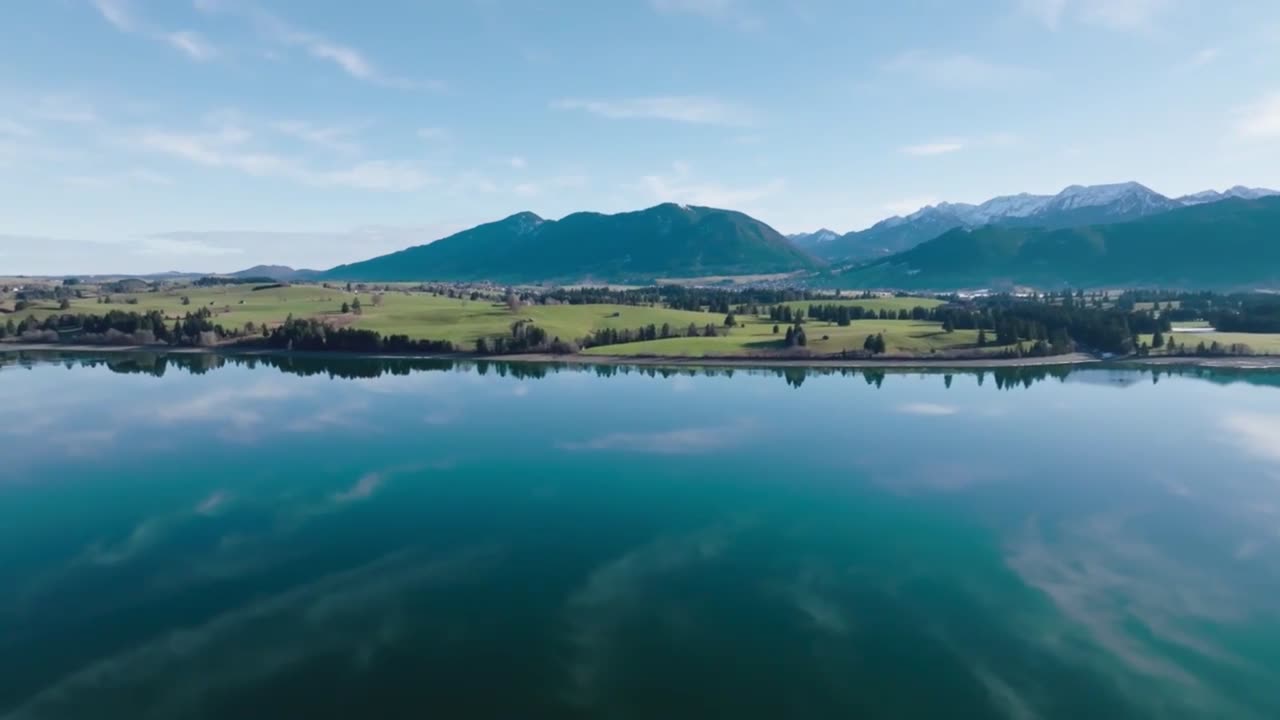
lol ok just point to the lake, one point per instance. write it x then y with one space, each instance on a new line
201 537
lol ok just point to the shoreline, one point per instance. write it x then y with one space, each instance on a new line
1254 362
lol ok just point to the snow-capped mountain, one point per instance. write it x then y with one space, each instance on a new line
817 237
1075 205
1085 205
1239 191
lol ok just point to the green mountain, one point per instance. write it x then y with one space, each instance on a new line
1229 244
664 241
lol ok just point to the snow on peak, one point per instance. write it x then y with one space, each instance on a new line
1237 191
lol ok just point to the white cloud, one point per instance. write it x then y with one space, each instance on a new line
1261 120
65 109
1205 56
723 11
434 134
14 129
225 149
377 175
691 109
518 163
336 139
1122 14
1109 14
928 409
472 182
680 187
527 189
116 12
1048 12
958 71
136 176
363 489
687 441
934 148
1257 433
349 59
155 245
120 14
191 43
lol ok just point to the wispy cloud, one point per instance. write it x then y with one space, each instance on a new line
1109 14
336 139
692 109
13 128
934 148
727 12
117 12
956 144
120 14
518 163
135 176
958 71
65 109
349 59
1205 56
1256 433
191 43
680 186
1260 120
363 489
928 409
686 441
434 134
228 147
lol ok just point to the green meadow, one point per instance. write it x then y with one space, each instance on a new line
463 321
1258 343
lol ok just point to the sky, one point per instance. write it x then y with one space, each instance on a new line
211 135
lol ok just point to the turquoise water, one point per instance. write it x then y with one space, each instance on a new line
201 538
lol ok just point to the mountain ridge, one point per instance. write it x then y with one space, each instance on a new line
1167 249
666 240
1072 206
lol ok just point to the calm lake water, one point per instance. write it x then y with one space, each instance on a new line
198 538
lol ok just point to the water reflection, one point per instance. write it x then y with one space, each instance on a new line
1004 378
243 537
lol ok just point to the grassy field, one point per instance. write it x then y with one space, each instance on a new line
418 315
465 321
893 304
756 337
422 315
1259 343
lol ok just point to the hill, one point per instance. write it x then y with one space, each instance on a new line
279 273
1234 243
663 241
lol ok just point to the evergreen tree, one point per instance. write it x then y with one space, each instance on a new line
346 308
1157 340
730 320
982 338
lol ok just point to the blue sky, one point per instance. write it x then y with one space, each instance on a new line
210 135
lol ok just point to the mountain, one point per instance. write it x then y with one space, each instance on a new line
1239 191
810 240
1075 205
279 273
664 241
1234 243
